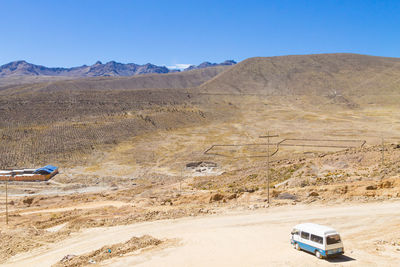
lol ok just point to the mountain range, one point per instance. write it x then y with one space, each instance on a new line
112 68
207 64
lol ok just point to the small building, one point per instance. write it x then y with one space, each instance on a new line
42 174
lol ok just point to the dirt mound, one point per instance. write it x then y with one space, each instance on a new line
107 252
17 241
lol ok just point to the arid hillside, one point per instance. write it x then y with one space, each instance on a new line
56 121
330 75
336 95
193 78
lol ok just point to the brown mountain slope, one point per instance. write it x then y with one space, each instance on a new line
314 95
323 74
176 80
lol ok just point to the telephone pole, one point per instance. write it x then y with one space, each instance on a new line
268 155
383 153
268 165
383 159
12 175
7 200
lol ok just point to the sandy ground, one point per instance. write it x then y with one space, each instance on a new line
84 206
247 238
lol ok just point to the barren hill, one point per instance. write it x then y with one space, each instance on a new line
177 80
289 94
322 74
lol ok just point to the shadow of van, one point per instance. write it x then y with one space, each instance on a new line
334 259
340 258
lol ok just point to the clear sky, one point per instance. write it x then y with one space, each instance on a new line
168 32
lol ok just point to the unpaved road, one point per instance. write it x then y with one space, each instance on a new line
84 206
248 238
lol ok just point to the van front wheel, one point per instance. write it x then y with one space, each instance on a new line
297 246
318 254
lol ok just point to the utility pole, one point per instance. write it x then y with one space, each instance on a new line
268 155
7 200
180 181
383 159
383 153
268 166
12 175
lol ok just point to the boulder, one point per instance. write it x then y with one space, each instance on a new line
216 197
286 196
371 187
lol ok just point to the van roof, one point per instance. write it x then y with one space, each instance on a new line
317 229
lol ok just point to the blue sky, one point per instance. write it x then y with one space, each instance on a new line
77 32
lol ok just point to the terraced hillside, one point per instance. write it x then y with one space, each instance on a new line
64 121
335 95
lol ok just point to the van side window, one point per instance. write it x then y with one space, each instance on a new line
305 235
317 239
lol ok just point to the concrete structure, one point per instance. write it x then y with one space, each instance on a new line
41 174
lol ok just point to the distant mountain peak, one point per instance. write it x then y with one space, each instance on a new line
111 68
207 64
20 62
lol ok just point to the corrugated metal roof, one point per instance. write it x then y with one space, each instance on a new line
48 169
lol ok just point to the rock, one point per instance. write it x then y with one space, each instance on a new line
28 200
341 189
386 184
253 207
286 196
216 197
232 196
275 193
371 187
68 257
313 194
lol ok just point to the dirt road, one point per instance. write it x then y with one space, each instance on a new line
248 238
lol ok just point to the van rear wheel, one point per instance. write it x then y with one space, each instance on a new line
318 254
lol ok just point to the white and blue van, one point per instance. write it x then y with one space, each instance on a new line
320 240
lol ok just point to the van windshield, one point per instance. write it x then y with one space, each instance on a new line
295 232
332 239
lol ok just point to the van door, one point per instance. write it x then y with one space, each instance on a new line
305 241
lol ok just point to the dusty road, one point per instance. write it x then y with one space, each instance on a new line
248 238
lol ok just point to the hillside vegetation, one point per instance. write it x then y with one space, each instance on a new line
328 94
323 75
